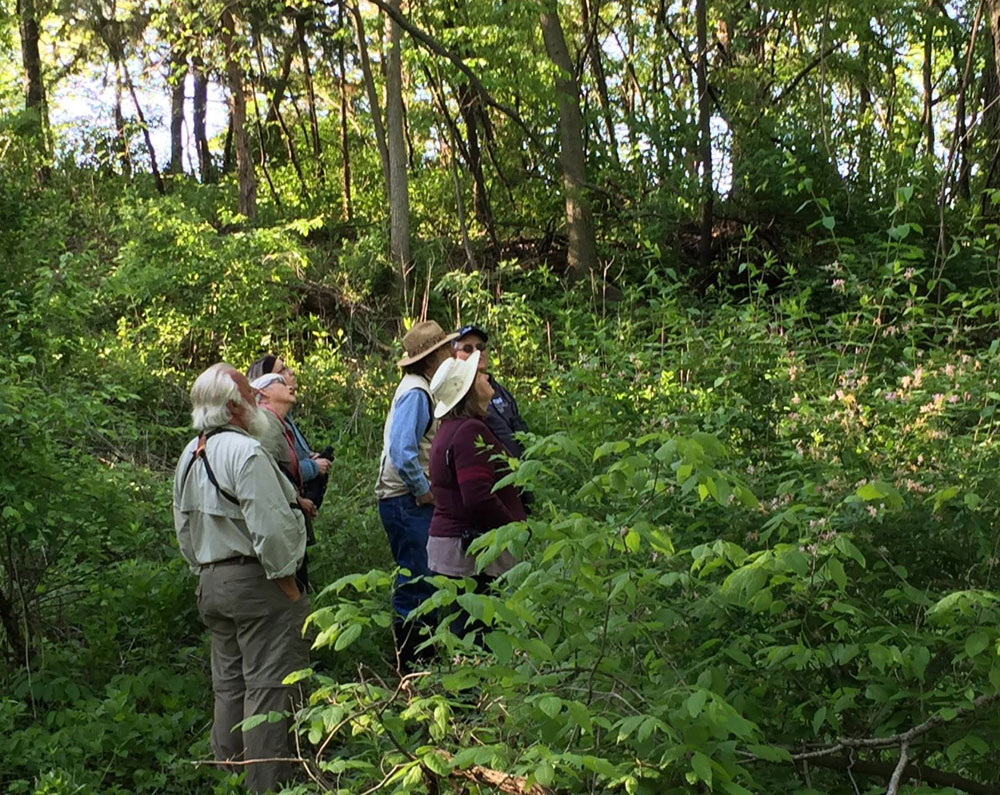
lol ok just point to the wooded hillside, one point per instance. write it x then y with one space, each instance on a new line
739 263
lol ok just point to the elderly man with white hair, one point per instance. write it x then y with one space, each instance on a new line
240 531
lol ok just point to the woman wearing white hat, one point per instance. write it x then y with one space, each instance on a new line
466 463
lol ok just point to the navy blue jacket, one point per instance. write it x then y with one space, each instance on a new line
504 419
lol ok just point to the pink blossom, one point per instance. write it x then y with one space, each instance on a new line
839 286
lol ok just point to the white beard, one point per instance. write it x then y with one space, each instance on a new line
256 421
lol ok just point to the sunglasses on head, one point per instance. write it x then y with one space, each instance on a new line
469 347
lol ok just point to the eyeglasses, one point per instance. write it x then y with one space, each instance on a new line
468 347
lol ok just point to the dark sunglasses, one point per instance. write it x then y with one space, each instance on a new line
468 347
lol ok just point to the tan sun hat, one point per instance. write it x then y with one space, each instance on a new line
422 339
451 381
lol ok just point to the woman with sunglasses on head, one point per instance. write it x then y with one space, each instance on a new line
465 464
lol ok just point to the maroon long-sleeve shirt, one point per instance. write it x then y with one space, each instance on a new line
463 481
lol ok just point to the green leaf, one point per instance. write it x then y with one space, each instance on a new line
829 222
347 637
702 766
818 719
835 570
550 705
976 643
696 702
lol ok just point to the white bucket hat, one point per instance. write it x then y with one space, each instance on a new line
451 381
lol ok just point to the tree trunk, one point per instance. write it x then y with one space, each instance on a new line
399 201
245 179
991 108
705 138
582 255
178 74
154 166
272 123
310 97
600 80
373 103
31 60
928 86
121 134
345 150
198 126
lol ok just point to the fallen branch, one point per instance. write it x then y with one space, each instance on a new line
497 779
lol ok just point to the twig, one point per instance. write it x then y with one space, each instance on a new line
897 774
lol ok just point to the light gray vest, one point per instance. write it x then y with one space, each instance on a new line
389 483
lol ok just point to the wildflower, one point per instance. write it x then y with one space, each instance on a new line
890 396
839 286
909 273
949 370
872 512
953 399
796 400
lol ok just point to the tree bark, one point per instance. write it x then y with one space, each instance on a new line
121 135
991 108
582 255
705 137
31 60
928 86
200 107
178 74
399 201
245 178
345 149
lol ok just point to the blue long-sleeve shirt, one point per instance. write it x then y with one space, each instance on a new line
307 466
409 423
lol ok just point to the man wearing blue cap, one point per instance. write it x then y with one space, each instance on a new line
503 417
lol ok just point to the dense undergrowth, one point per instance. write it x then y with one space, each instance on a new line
765 514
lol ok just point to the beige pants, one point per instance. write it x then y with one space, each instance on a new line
256 642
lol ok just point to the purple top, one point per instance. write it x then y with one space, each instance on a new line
463 482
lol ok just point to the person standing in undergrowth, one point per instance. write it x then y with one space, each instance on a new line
276 398
405 499
312 467
503 417
467 461
239 531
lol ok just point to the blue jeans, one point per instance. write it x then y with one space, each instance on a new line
406 524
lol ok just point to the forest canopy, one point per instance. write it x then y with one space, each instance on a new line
739 263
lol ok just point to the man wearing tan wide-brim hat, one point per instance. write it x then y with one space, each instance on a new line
405 500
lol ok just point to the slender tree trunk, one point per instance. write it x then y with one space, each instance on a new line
150 149
178 74
245 178
121 134
31 60
227 147
310 97
600 79
399 201
705 137
928 86
373 103
963 182
271 123
991 108
200 107
582 255
345 149
865 123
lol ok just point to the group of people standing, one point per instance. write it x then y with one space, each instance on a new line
449 429
247 488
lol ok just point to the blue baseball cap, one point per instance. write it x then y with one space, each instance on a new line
471 330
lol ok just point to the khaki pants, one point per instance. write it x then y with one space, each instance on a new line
256 642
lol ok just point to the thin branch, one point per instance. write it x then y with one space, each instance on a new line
897 774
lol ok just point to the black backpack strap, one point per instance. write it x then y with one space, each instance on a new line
200 454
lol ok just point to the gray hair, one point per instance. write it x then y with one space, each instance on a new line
210 396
